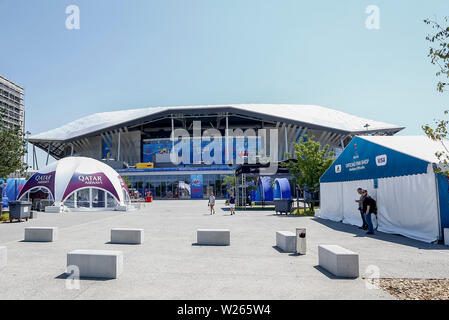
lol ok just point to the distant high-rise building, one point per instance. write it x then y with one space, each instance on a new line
11 104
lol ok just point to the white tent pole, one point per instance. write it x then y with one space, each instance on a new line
440 236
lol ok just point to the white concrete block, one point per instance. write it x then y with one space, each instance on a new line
446 236
317 212
218 237
41 234
127 236
53 209
96 263
286 241
339 261
3 257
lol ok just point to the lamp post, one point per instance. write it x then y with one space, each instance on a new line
27 134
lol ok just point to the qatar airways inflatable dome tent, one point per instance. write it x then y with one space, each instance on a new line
79 184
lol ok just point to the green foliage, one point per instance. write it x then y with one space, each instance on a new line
311 162
4 217
307 213
12 150
439 51
439 56
229 182
126 181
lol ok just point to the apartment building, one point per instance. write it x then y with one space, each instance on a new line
11 104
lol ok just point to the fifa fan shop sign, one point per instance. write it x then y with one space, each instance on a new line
362 160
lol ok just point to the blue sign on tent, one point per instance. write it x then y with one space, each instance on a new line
364 159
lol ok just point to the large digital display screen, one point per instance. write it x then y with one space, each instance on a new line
158 151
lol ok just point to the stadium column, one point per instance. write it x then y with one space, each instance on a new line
172 135
118 146
286 141
48 153
227 141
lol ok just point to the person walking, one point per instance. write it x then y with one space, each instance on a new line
212 203
369 207
232 203
362 214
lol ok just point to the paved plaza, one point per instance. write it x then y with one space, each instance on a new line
169 265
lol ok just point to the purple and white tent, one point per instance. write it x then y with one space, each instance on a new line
79 184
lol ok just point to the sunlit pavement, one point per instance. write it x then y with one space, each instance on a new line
169 266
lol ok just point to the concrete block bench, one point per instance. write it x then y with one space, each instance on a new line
3 257
446 236
217 237
41 234
286 241
127 236
96 263
339 261
53 209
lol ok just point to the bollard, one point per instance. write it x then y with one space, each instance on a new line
301 241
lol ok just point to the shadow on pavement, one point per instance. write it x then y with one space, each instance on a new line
330 275
65 276
284 215
209 245
394 238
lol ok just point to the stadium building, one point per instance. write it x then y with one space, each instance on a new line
137 143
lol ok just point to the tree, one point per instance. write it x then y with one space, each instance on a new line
439 56
439 51
311 161
229 182
126 181
12 150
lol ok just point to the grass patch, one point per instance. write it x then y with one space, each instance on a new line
4 217
302 213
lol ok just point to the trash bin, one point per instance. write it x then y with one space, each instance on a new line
19 210
301 241
283 205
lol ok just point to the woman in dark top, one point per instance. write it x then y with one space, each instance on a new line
232 204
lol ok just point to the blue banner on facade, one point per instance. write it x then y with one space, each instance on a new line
362 160
106 142
156 147
196 186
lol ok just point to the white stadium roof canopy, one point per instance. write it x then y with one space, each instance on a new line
306 115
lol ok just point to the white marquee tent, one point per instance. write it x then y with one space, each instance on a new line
397 171
79 183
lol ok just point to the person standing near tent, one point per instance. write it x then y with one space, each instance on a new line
362 213
369 207
212 203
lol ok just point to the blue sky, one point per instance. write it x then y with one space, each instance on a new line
140 53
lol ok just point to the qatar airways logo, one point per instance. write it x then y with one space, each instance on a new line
43 178
91 179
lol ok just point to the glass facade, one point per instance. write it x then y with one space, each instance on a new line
177 186
91 198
